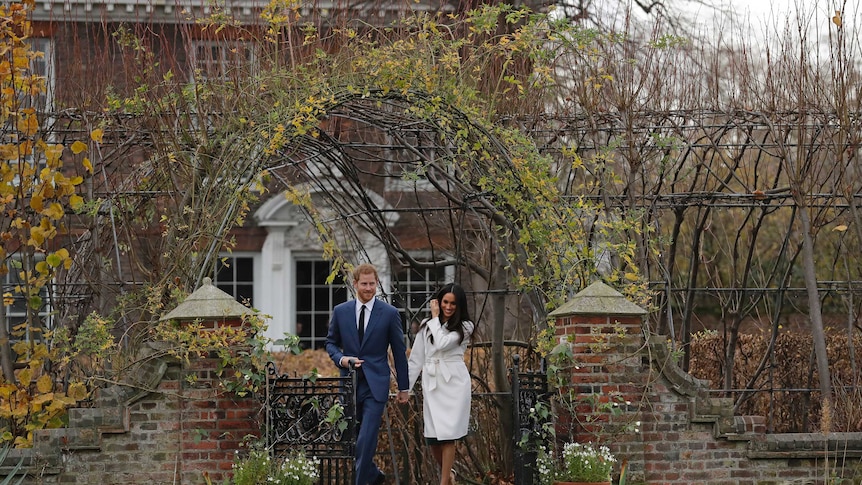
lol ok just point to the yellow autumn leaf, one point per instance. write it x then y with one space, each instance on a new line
22 442
77 391
97 135
25 376
25 148
44 384
21 410
58 404
54 211
87 164
37 236
36 203
840 228
78 147
37 352
20 57
631 276
8 152
76 202
52 155
28 125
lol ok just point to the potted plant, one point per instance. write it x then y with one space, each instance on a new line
577 463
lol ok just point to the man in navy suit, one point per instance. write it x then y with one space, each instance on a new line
361 331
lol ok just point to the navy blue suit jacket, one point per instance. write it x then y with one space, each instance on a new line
382 331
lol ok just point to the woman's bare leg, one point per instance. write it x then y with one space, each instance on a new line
447 452
437 453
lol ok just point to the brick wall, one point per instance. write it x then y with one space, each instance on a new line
163 429
668 429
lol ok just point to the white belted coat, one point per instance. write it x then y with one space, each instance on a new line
446 383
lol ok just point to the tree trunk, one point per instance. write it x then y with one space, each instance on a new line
817 332
498 283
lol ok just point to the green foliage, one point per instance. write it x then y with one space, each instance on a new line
241 350
290 343
93 341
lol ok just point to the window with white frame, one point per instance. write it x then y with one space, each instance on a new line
412 290
16 300
315 299
234 274
219 59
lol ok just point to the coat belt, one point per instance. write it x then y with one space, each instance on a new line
434 370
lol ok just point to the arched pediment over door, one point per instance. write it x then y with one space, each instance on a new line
293 288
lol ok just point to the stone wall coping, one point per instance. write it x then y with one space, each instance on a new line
806 445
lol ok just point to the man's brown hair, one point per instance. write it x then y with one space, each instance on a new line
364 268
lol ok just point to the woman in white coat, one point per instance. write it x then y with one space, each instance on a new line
438 355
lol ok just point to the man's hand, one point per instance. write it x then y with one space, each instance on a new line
403 397
346 360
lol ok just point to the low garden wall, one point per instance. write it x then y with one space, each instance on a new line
663 423
168 428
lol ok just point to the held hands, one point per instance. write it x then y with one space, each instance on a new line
403 397
435 308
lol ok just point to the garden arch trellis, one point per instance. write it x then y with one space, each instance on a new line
687 172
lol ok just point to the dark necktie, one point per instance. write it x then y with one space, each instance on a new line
361 323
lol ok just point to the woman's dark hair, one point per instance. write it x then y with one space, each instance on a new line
461 315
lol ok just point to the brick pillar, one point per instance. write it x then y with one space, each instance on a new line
604 332
213 420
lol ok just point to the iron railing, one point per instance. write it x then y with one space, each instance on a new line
316 416
529 389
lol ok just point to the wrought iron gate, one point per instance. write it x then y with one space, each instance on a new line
315 416
528 390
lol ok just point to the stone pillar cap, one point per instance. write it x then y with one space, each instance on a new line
208 303
598 299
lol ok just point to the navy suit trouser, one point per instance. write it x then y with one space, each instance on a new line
370 412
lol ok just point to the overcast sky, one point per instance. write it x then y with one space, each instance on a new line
756 17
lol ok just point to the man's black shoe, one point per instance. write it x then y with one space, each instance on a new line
381 479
